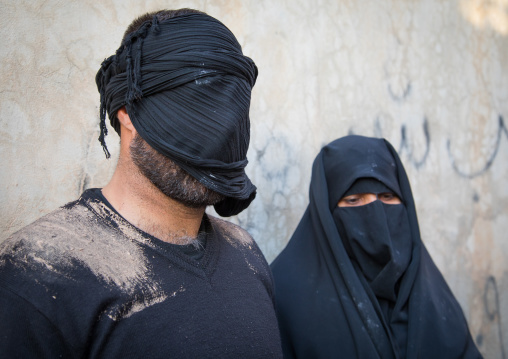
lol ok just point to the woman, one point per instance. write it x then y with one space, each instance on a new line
355 280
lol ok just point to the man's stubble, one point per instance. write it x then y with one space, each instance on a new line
169 178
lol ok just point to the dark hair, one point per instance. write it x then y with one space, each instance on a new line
161 16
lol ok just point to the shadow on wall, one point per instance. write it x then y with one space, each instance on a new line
486 13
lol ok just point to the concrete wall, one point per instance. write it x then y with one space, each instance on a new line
430 76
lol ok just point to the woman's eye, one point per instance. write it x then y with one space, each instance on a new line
352 200
389 198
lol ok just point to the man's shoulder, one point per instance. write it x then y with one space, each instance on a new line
71 237
233 233
64 221
238 238
83 241
51 224
39 255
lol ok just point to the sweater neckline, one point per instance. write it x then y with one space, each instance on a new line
95 201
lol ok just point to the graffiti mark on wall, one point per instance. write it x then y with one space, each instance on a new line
401 96
501 129
404 145
492 311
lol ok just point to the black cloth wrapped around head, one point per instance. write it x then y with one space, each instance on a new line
330 303
186 86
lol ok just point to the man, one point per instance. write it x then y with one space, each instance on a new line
138 269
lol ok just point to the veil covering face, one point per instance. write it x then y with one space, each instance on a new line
359 282
186 86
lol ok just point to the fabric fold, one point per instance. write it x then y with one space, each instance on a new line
186 86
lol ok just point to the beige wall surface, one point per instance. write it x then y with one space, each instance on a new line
431 76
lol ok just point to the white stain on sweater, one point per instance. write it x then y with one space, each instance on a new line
103 242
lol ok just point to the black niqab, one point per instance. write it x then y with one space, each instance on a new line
328 306
377 239
186 86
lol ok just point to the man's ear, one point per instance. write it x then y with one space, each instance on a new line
125 120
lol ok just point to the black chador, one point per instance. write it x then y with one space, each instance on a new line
357 282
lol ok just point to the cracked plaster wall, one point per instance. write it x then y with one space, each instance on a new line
430 76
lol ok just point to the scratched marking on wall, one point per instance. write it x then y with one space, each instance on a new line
405 147
501 129
492 311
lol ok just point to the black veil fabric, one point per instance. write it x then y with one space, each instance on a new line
326 309
186 86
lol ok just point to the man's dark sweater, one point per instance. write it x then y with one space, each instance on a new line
82 282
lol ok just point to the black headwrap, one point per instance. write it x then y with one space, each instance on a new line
328 307
186 86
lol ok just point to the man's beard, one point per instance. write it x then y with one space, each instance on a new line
169 178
